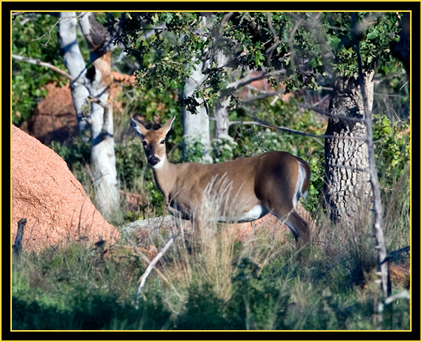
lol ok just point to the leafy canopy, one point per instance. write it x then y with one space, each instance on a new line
297 49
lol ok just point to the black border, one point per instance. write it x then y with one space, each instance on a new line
6 334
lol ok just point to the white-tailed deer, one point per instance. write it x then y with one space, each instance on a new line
270 183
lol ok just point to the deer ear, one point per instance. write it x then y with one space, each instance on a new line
139 128
167 126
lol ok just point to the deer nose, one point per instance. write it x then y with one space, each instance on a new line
153 160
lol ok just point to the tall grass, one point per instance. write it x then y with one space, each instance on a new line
213 281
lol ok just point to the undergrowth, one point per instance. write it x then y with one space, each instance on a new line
260 283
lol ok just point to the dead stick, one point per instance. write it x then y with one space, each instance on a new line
17 247
151 266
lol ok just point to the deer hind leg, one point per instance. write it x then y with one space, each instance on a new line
298 226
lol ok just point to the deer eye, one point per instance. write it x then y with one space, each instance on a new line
162 141
144 143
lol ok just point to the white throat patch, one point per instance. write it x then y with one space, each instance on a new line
160 164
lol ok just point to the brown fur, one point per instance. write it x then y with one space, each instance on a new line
268 180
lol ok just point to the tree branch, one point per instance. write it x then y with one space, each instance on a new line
281 128
247 80
44 64
61 72
379 221
348 167
263 96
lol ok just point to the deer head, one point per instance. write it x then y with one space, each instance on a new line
154 142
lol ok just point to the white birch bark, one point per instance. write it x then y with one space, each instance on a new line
97 80
196 127
221 111
75 64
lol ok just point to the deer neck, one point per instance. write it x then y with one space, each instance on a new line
164 174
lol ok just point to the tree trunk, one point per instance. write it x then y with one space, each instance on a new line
96 81
75 64
346 160
196 127
102 139
221 111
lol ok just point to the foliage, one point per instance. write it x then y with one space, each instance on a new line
377 30
130 161
30 39
222 149
293 47
75 153
194 150
392 147
75 287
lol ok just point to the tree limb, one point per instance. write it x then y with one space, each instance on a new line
263 96
348 167
379 221
61 72
44 64
248 79
281 128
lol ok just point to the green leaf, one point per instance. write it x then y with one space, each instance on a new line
387 129
373 34
334 41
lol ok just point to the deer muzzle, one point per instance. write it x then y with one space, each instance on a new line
153 160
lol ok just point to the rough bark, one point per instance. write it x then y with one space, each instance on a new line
347 181
94 82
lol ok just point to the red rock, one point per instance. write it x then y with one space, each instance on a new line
47 194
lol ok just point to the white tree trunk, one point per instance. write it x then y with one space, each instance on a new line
75 64
221 111
96 80
196 127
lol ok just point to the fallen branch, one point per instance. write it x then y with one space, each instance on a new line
157 270
151 266
403 294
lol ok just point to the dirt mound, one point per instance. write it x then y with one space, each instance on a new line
55 117
48 195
